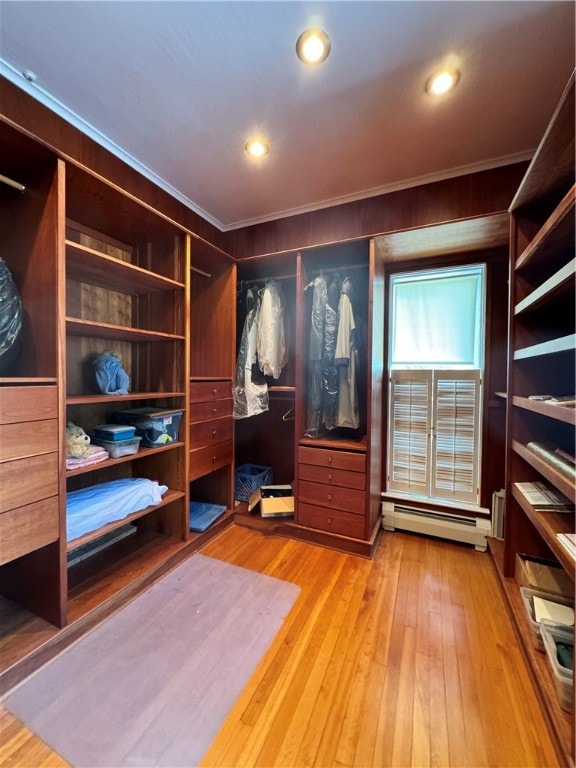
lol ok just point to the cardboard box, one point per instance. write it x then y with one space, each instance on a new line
543 576
274 501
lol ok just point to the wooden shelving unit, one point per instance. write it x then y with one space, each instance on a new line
541 363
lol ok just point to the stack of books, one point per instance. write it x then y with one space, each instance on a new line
568 541
543 498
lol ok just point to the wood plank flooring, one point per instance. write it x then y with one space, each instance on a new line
408 659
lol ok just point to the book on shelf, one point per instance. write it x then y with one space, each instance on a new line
565 455
568 541
543 498
567 400
548 453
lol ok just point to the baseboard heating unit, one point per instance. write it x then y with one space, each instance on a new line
461 528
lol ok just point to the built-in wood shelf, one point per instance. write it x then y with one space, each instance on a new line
142 453
90 266
560 282
551 347
89 399
548 524
91 329
556 235
545 408
560 481
167 498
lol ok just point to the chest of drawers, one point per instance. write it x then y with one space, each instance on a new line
29 470
332 490
211 426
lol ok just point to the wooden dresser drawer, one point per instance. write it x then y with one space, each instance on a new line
333 520
324 457
203 433
212 409
27 528
330 476
346 499
24 481
203 391
27 404
30 438
204 460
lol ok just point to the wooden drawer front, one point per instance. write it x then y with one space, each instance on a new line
203 391
26 480
346 499
324 519
27 404
342 477
25 529
204 460
355 462
204 433
213 409
28 439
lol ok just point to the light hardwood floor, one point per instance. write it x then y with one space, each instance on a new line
406 660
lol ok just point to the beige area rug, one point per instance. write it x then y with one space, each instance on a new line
152 685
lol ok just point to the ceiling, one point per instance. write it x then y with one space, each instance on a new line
177 88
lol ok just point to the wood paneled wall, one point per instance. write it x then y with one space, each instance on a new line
461 197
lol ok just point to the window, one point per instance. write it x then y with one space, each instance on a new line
435 363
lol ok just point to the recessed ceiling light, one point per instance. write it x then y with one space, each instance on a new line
257 147
442 82
313 46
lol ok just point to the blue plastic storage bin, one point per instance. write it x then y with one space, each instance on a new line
202 515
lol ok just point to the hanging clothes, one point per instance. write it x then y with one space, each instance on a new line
272 340
346 361
329 370
250 397
316 354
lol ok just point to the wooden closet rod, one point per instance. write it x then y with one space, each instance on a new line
345 268
12 183
265 279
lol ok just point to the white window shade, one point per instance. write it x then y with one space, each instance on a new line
437 318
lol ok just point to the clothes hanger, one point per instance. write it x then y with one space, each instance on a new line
289 415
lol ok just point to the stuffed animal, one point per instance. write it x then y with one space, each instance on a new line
111 378
77 442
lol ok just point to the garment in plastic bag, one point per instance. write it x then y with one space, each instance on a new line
272 340
250 397
329 370
316 354
346 360
10 319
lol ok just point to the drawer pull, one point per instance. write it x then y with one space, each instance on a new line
213 433
329 459
213 458
329 497
329 521
329 476
215 391
214 410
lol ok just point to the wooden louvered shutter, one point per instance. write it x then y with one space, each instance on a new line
409 432
455 448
